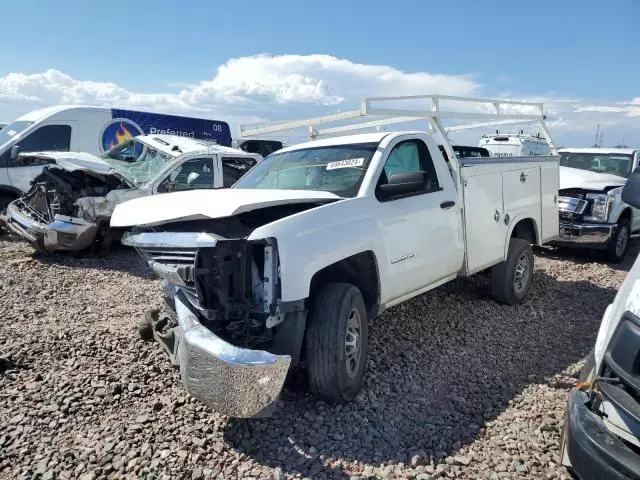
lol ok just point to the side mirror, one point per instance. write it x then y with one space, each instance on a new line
631 190
403 184
15 151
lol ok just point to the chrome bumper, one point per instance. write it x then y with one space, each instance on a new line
235 381
585 234
64 233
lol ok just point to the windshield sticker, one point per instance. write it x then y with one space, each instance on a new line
11 133
351 162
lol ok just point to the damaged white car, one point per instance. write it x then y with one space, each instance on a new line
69 205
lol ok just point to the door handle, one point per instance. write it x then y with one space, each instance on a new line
447 204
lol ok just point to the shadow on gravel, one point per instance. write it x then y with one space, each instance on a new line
440 366
119 258
585 256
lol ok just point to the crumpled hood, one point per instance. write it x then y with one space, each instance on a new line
576 178
202 204
72 161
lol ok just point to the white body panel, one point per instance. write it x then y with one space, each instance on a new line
496 198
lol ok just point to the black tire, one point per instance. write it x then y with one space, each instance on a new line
505 287
620 239
332 375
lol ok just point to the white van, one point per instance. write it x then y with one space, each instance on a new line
514 145
87 129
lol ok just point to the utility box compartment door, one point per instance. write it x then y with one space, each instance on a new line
485 228
521 189
549 184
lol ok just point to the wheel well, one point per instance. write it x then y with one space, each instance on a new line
360 270
9 191
626 214
526 230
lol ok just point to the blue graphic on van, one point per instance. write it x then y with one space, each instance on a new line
117 131
129 123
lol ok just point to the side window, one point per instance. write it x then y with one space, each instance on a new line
233 168
196 173
48 137
411 156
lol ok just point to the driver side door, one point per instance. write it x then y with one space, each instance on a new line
421 231
193 174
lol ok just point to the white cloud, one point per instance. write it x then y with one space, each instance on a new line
261 87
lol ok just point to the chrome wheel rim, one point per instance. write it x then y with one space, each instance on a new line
521 273
353 342
621 241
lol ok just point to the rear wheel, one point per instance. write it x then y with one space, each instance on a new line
619 243
337 343
512 279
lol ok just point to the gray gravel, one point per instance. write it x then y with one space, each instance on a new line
457 387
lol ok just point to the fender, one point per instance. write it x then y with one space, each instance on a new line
311 235
512 226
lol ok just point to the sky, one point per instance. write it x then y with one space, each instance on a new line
265 61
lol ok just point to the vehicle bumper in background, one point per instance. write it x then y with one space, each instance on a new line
64 233
587 235
595 452
235 381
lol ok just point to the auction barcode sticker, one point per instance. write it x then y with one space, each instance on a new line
351 162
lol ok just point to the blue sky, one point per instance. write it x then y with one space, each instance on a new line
586 50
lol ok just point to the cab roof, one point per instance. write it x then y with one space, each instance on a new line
41 114
345 140
596 150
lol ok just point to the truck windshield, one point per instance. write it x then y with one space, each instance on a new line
13 129
613 163
136 161
338 169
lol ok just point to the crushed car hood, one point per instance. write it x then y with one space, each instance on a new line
202 204
576 178
72 161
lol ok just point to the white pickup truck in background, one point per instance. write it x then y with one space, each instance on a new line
287 266
592 212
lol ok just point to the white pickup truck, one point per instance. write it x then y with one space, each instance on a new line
287 266
592 213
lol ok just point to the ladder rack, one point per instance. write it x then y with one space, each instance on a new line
370 115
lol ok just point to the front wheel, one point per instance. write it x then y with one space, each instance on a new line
619 243
511 280
337 343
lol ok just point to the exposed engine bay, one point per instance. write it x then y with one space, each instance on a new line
234 285
56 192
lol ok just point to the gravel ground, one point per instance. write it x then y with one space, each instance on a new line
457 386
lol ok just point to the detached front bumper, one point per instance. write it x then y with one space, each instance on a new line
64 233
235 381
586 235
594 452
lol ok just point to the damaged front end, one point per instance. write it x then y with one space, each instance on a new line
233 338
59 212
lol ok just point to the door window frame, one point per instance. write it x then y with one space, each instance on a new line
166 173
429 158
